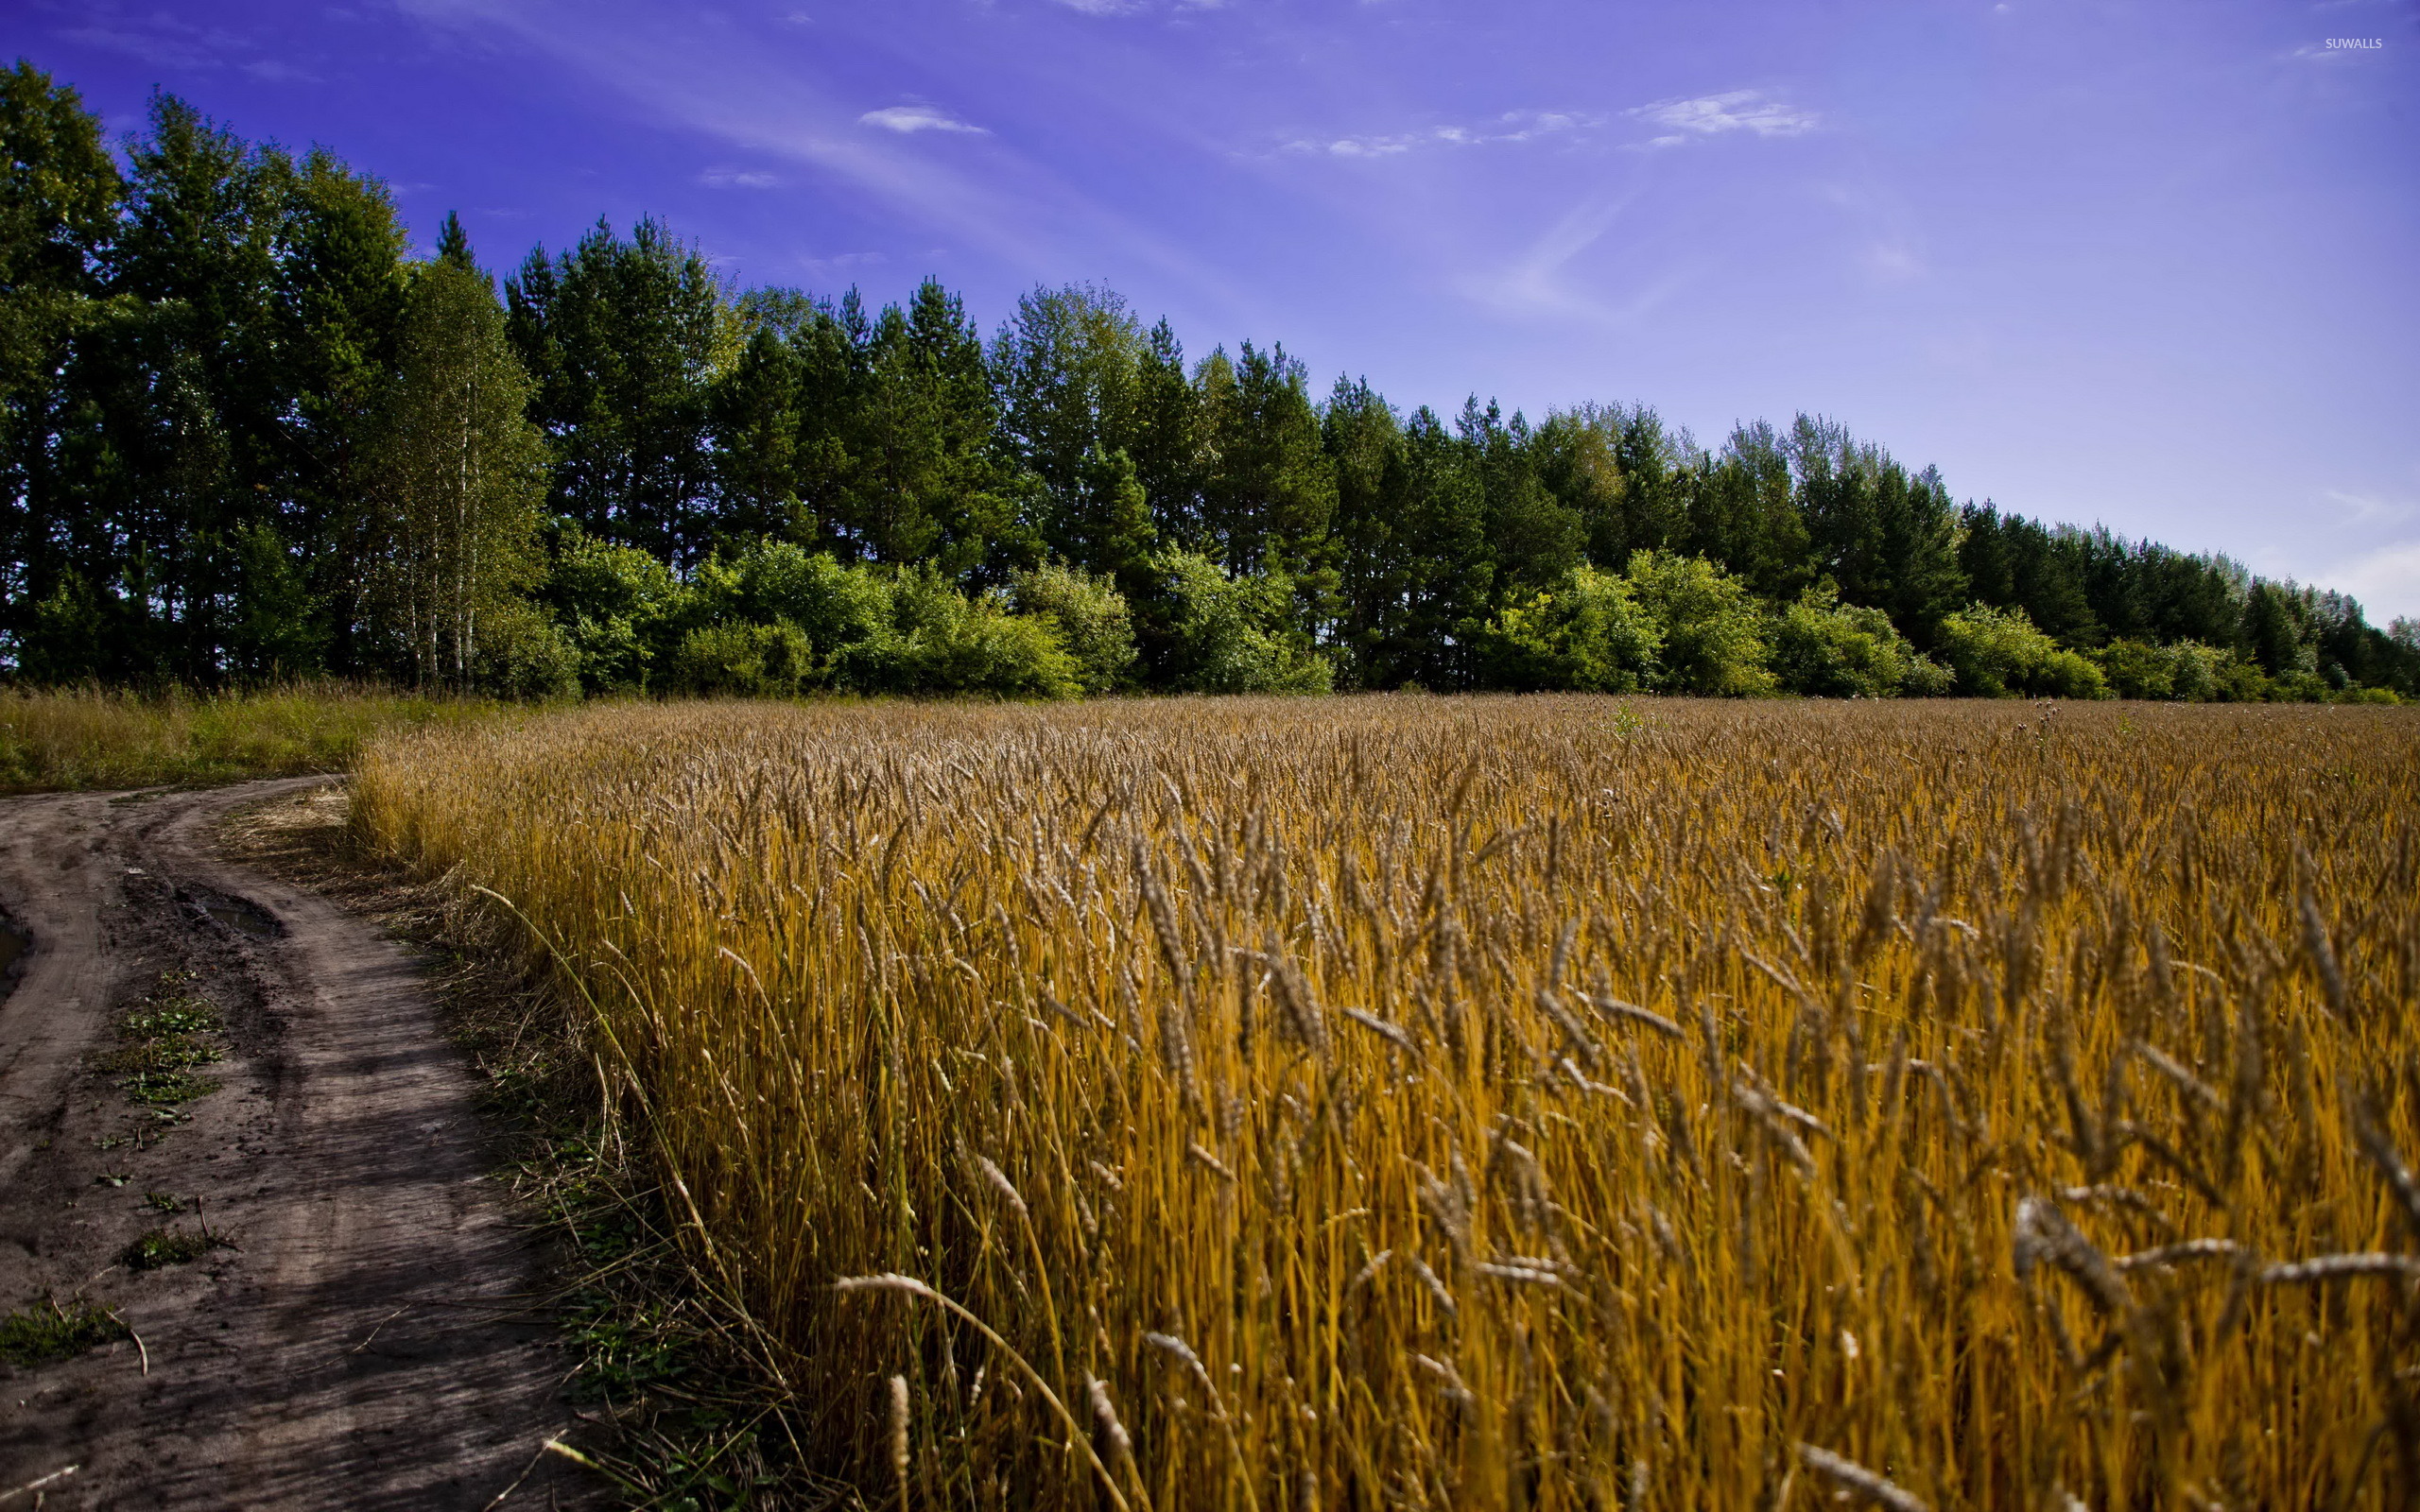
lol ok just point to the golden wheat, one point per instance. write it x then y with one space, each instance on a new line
1509 1101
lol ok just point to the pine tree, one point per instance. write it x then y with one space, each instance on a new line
1065 365
756 441
925 476
454 244
624 340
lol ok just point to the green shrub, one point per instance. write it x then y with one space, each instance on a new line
1091 617
2137 669
1828 650
1232 634
613 603
2357 693
1711 630
941 640
2188 672
742 660
1998 653
2241 680
2298 685
524 654
768 581
1586 634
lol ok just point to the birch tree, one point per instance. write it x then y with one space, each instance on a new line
461 474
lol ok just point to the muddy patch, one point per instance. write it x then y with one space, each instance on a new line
14 943
234 914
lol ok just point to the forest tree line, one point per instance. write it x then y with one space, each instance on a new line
244 435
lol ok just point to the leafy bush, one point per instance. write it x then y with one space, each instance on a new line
2188 672
1712 631
2000 654
1828 650
2298 685
941 640
613 602
770 581
1586 634
1232 634
522 653
742 660
1091 617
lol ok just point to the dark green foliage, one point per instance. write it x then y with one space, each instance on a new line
1888 538
756 430
1417 578
1268 491
1537 537
623 338
201 356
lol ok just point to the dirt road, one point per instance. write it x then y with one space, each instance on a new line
357 1333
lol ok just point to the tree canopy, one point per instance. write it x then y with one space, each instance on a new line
230 399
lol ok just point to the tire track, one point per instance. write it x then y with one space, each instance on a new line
369 1343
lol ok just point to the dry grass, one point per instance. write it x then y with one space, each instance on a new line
1495 1102
93 738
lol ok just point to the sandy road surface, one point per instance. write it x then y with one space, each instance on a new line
367 1343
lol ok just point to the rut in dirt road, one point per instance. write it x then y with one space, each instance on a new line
350 1325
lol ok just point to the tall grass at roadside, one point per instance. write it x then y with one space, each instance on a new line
76 738
1508 1102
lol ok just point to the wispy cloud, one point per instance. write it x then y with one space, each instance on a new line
1886 235
736 179
2370 509
270 71
1539 282
908 119
1742 110
162 41
2385 580
1512 126
1013 207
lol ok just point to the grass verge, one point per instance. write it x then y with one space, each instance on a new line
91 738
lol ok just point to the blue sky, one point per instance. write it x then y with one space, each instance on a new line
2152 265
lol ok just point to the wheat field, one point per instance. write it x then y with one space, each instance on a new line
1488 1103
